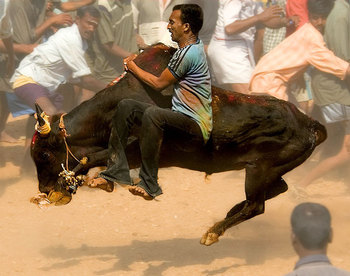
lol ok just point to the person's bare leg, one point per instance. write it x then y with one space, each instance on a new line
85 95
28 168
46 105
328 164
4 114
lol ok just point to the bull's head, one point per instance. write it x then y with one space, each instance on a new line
48 153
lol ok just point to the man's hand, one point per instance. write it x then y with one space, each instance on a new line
129 62
270 13
62 19
140 42
294 19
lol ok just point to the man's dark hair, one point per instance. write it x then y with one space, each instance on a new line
311 224
90 9
191 14
320 7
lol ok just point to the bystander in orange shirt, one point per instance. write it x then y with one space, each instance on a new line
303 48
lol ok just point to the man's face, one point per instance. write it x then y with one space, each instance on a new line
318 21
87 25
175 26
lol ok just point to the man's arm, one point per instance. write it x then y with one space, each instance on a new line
115 50
56 19
91 83
157 83
18 48
279 22
242 25
324 59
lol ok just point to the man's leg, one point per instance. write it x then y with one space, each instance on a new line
154 121
33 93
4 114
128 114
332 162
328 164
30 94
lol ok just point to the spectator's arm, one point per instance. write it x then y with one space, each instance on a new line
324 59
258 44
279 22
115 50
18 48
56 19
91 83
239 26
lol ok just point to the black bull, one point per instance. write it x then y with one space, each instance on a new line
266 136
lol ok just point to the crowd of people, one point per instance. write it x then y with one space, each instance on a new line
59 53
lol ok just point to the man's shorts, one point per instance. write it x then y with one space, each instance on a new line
335 112
16 106
30 92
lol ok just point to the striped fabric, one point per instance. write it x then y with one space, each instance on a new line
193 91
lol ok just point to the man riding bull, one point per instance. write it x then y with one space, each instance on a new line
191 113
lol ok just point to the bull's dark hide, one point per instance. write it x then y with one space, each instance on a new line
266 136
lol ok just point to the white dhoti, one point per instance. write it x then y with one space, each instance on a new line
231 61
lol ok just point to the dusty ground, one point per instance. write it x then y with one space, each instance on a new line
101 233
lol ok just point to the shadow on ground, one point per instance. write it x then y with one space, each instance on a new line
159 256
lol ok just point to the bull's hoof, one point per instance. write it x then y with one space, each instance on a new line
63 201
209 238
59 198
54 196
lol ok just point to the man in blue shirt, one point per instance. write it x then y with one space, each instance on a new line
191 111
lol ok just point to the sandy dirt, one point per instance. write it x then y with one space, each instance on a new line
102 233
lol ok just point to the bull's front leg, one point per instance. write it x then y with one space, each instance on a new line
62 192
93 160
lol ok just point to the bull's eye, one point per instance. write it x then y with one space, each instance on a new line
45 156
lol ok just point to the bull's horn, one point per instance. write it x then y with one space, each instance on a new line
43 125
38 109
39 117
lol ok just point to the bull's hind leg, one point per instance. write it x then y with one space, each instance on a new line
276 188
254 205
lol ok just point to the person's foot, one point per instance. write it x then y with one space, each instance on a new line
4 137
101 183
139 191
